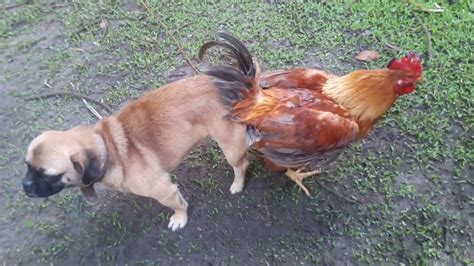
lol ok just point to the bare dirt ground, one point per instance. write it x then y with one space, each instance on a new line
412 175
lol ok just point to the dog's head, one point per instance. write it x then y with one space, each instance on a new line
59 159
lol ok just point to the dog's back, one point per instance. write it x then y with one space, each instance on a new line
175 118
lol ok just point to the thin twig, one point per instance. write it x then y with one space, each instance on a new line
45 82
393 47
57 5
335 192
181 27
428 37
65 93
49 23
27 3
35 42
163 24
93 111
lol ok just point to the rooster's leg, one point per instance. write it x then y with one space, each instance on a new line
297 177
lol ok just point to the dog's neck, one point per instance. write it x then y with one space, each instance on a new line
103 155
114 148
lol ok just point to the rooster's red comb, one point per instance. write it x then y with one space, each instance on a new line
410 63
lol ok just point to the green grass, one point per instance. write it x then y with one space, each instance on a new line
412 173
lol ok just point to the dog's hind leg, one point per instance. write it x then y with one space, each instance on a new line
167 193
240 169
234 145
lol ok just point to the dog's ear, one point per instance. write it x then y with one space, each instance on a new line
89 166
91 169
90 195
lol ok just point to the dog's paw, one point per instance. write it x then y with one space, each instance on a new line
236 187
178 221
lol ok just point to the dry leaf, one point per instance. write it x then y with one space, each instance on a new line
368 55
104 26
425 8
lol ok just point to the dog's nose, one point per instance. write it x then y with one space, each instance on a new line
28 187
27 183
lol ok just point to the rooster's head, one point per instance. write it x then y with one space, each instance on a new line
412 71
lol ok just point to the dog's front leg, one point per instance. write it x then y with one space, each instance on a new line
164 191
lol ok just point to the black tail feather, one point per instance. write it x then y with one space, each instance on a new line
206 46
242 54
236 47
231 81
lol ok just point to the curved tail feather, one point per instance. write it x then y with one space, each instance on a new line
238 49
235 84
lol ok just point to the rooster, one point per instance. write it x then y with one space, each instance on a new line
301 119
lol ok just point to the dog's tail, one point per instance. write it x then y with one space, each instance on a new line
236 85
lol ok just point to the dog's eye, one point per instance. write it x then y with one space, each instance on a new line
52 178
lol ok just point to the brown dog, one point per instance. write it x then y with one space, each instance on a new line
136 149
